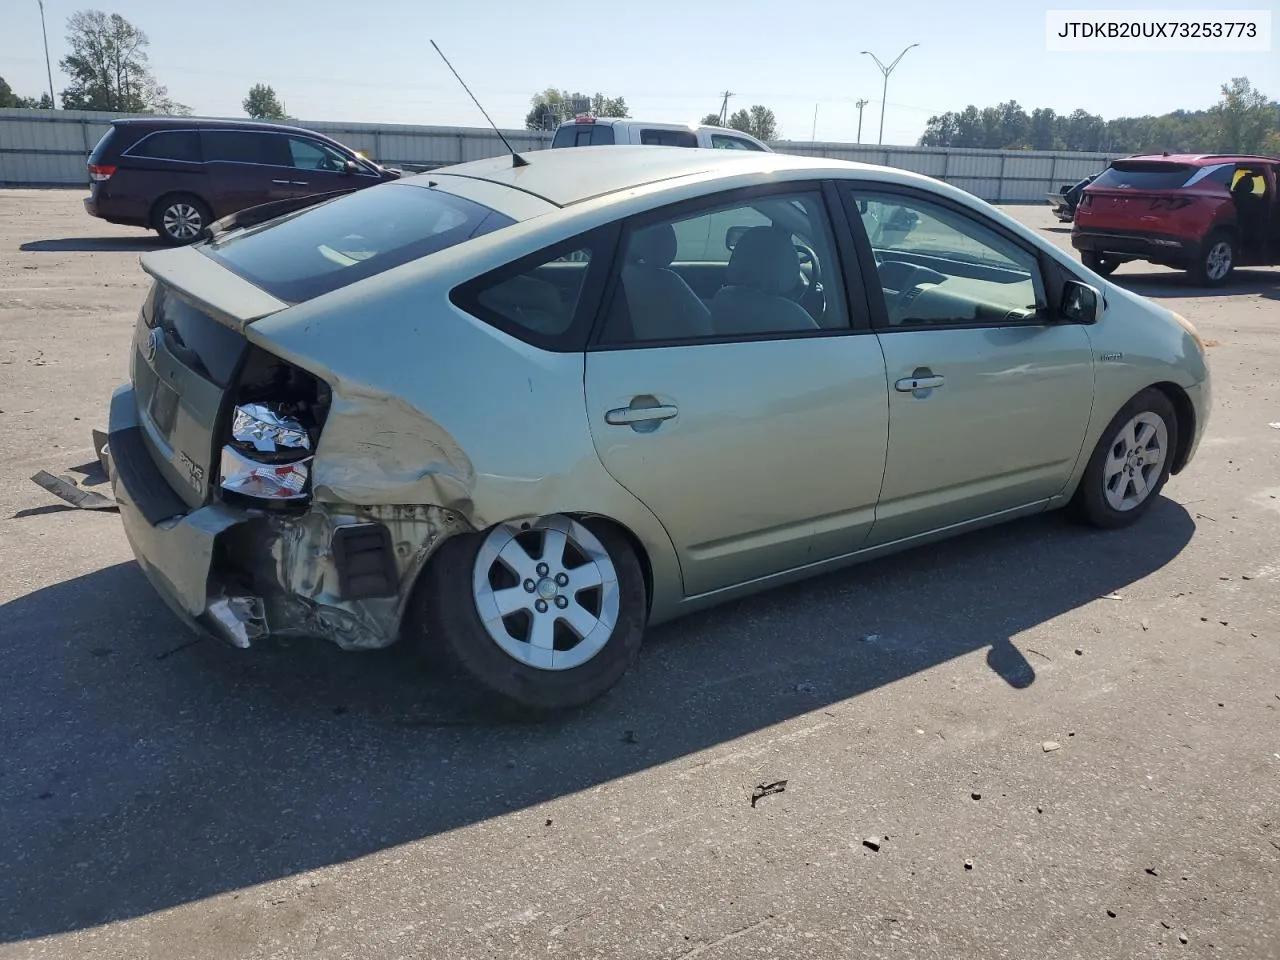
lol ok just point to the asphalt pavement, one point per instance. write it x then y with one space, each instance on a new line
1063 743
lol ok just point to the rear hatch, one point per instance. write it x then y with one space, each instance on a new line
192 363
1138 195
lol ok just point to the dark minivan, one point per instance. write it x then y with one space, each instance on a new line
176 175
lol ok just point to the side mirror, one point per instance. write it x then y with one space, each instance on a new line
1081 303
732 236
350 167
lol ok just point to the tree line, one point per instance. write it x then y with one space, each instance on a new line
1244 120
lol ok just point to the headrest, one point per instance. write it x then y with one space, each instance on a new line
766 260
653 246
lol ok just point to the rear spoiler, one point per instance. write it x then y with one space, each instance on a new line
210 287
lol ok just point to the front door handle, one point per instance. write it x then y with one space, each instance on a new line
626 416
911 384
285 182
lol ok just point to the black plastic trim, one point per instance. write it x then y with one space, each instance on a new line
365 558
141 478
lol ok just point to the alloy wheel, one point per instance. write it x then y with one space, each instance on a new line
182 221
1134 461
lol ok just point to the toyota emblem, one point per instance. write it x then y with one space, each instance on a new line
153 343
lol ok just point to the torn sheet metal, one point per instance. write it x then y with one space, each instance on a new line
72 494
377 449
290 560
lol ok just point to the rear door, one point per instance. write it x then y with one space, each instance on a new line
246 168
760 451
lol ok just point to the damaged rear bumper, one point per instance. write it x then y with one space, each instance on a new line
337 571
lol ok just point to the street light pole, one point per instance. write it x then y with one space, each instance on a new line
886 71
47 66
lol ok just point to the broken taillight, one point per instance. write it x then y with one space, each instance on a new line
100 172
269 457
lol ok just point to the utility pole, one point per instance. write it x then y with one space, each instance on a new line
886 71
814 135
861 104
47 66
724 108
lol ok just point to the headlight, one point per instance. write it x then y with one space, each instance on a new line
270 456
1190 328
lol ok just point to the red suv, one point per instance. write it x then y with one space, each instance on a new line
1204 213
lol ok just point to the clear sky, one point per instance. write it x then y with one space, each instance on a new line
671 59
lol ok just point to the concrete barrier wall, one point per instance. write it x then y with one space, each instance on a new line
49 148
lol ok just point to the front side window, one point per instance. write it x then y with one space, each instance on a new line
758 267
169 145
314 155
319 249
669 138
938 266
722 141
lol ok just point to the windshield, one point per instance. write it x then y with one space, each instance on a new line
320 249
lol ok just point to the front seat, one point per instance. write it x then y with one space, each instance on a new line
661 305
764 265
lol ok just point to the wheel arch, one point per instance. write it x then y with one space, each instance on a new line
1186 425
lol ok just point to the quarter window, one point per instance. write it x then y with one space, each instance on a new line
541 300
668 138
938 266
170 145
754 268
721 141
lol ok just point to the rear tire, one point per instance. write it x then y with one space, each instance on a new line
562 643
1130 464
180 219
1103 266
1217 260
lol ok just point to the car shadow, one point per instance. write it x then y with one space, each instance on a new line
144 769
1178 283
1066 229
93 245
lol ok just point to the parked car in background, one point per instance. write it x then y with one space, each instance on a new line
1203 213
1065 201
517 413
177 175
588 131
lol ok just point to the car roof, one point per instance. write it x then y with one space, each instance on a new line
187 123
564 177
654 125
1198 159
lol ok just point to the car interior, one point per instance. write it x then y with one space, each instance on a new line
762 268
1253 207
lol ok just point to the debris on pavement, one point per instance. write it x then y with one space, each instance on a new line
1111 914
870 638
1039 809
1182 938
968 864
1079 651
871 843
976 795
1112 596
66 490
767 790
1050 745
1145 626
1153 871
1274 426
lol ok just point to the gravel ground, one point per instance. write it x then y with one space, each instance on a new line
164 798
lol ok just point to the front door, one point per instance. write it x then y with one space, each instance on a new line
751 420
989 395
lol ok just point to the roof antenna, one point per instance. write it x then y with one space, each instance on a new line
516 159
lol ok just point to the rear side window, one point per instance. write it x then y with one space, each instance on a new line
246 146
669 138
1146 176
584 135
169 145
322 248
722 141
543 299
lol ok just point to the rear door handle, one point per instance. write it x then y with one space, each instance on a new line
300 183
910 384
625 416
285 182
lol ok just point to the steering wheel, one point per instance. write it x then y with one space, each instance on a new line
809 291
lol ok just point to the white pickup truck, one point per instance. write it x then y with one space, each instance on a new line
589 131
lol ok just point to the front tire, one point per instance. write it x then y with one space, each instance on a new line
545 616
1130 464
180 219
1217 260
1103 266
